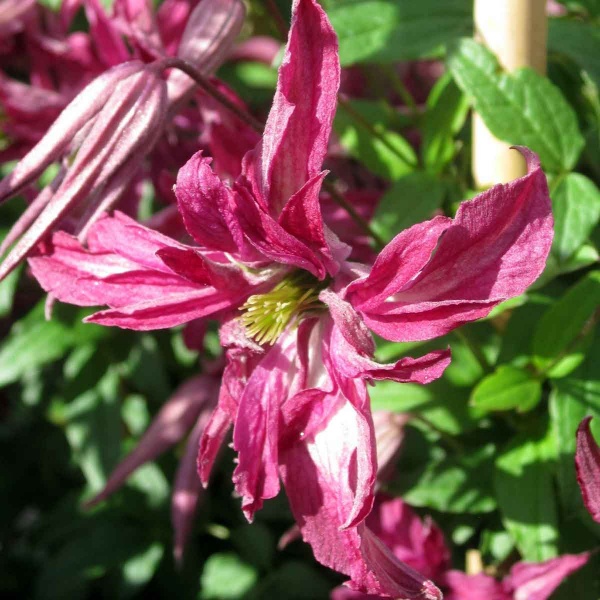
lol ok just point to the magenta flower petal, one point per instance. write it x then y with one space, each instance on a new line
205 203
187 489
474 587
210 31
420 544
319 475
350 362
256 432
106 160
494 249
71 121
232 384
537 581
173 421
271 239
297 130
587 463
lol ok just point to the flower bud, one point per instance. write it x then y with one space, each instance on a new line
106 131
209 34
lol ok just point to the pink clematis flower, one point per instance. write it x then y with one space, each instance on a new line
295 312
587 463
526 581
109 128
421 545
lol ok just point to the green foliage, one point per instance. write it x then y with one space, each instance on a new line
364 129
521 108
489 449
392 30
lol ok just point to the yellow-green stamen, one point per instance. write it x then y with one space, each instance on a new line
267 315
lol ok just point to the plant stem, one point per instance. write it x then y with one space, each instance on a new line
402 91
345 104
364 225
280 23
474 348
452 443
204 83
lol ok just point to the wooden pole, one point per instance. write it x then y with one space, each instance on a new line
516 32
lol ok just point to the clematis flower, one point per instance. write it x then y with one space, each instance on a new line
185 412
295 312
526 581
587 463
421 544
108 129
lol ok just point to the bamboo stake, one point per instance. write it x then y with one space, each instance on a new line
516 31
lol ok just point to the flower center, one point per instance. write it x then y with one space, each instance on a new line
267 315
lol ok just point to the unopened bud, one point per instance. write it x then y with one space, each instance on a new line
107 130
209 35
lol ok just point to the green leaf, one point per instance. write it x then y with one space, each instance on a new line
563 333
576 208
92 424
507 388
392 30
579 41
447 109
32 342
519 108
226 577
584 256
294 580
411 199
387 154
571 399
453 484
525 494
443 405
591 7
139 569
8 287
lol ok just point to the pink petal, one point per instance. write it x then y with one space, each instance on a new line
233 381
167 311
187 490
474 587
174 420
537 581
60 136
256 432
494 249
209 34
349 362
320 476
205 204
420 544
107 40
398 263
271 239
297 130
107 159
302 217
587 462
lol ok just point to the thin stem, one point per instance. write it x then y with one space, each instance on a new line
366 125
247 118
204 83
402 91
451 442
362 223
280 23
474 348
